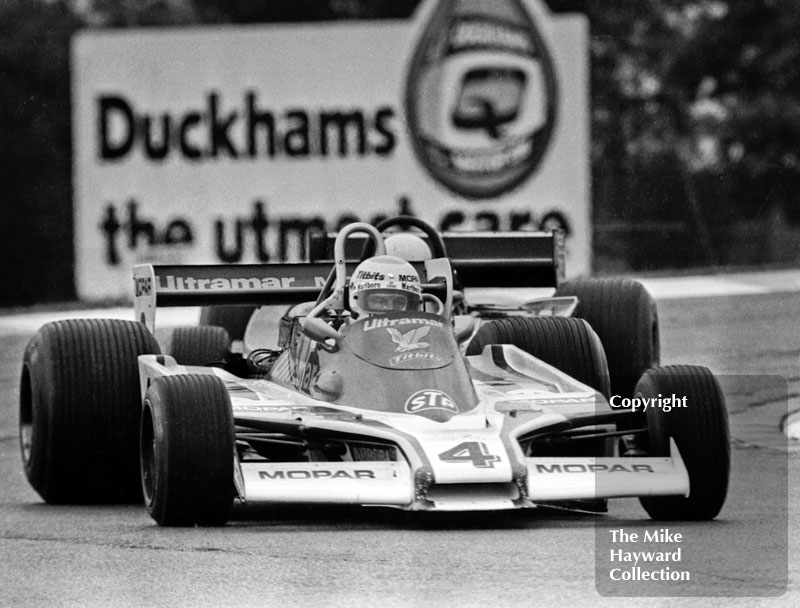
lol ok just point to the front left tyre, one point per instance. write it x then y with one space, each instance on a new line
699 428
187 451
79 410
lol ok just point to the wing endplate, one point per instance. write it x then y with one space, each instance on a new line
555 478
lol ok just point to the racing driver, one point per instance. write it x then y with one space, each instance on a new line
384 284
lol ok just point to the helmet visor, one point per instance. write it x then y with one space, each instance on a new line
388 300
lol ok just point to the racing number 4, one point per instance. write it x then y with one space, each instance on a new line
475 452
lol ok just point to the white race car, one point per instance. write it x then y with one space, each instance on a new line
414 409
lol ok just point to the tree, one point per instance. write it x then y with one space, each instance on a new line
35 154
703 91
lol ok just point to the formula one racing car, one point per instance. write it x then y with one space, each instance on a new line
383 389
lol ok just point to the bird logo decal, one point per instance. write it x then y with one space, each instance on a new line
410 340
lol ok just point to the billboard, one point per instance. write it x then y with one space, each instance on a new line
224 144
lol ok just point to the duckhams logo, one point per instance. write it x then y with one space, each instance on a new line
481 96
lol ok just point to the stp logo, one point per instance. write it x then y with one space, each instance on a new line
481 96
433 404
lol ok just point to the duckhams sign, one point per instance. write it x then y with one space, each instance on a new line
226 144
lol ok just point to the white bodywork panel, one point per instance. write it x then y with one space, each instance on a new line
500 477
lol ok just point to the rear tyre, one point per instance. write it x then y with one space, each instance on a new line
79 410
200 345
567 344
187 451
233 319
624 315
700 431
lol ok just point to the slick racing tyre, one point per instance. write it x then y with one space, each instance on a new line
186 451
233 318
700 431
200 345
567 344
79 410
624 315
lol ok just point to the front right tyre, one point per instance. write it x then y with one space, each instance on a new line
79 410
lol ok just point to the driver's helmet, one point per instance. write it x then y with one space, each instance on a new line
384 284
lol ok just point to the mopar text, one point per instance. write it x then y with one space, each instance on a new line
593 468
318 474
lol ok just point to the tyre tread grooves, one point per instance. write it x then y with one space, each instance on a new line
86 379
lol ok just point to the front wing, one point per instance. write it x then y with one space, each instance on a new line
491 474
395 483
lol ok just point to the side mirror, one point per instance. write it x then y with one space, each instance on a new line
319 331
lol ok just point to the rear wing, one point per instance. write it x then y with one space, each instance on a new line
232 284
481 259
240 284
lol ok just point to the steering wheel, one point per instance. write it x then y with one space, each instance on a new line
435 242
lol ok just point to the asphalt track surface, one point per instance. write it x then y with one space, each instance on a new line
352 557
